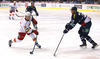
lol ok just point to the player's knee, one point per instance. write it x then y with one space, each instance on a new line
82 36
85 36
21 36
88 37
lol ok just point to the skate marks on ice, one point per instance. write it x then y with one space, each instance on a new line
79 53
25 49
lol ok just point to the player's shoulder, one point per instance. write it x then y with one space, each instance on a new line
78 13
30 7
75 15
34 7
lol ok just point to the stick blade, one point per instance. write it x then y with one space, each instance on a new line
54 55
31 52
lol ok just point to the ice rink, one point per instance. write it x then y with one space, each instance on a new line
51 24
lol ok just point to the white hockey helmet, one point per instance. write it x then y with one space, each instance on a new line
27 14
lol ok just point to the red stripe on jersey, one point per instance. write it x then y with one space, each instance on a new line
83 23
21 35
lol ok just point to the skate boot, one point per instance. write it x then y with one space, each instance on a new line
9 18
12 18
10 43
84 45
39 46
95 45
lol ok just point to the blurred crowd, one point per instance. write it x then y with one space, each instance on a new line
58 1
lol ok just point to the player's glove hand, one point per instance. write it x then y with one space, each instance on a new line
65 31
67 25
35 32
16 10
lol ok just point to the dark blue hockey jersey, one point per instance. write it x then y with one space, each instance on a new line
31 9
78 18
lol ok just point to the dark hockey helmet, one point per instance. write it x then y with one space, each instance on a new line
74 8
32 2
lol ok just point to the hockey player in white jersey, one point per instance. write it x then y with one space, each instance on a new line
25 29
12 10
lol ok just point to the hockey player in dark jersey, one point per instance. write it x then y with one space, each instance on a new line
32 9
84 30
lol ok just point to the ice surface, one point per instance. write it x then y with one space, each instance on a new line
51 24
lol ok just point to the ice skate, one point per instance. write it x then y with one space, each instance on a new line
95 46
39 46
9 18
10 43
12 18
83 46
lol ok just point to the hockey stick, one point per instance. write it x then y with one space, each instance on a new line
18 15
58 45
31 52
22 16
21 12
60 41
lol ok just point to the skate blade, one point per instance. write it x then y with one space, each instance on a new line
95 47
84 47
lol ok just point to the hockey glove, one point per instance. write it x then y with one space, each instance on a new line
65 31
35 32
67 25
37 14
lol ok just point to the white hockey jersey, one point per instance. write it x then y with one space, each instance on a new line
25 26
13 7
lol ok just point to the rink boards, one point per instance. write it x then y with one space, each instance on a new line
59 6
